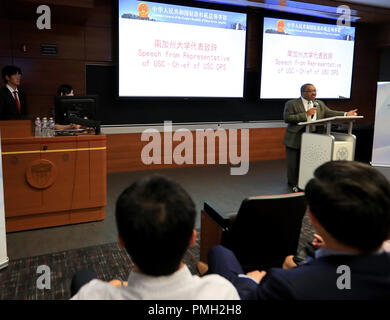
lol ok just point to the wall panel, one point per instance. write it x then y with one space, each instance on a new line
98 44
5 39
43 76
68 38
124 150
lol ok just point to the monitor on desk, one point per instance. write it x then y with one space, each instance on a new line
83 107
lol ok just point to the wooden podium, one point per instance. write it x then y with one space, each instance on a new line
51 181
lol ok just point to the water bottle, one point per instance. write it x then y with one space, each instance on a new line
44 127
37 127
51 127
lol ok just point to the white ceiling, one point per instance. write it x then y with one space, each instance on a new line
374 3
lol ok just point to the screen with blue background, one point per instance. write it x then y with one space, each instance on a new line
163 12
308 29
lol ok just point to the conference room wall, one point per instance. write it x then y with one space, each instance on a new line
124 150
82 31
385 64
85 35
365 74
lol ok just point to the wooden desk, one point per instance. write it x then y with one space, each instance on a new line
51 181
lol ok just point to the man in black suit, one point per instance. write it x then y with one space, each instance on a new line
305 108
12 100
349 207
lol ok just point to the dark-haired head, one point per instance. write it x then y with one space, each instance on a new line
9 71
304 87
64 90
155 220
351 201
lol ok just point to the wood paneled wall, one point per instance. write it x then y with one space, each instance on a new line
124 150
82 31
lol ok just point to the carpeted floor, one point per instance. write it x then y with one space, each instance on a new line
19 280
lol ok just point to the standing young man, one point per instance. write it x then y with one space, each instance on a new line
12 100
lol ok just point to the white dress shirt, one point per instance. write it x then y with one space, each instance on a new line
308 106
12 91
181 285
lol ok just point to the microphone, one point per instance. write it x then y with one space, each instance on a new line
316 104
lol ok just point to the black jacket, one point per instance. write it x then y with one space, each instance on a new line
8 107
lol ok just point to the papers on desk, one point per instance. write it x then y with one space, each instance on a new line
70 132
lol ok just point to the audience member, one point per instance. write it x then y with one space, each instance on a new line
349 207
65 90
155 220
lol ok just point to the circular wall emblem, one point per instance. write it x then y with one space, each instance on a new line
143 10
342 154
41 173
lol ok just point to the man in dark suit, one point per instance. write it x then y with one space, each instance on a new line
349 207
12 100
305 108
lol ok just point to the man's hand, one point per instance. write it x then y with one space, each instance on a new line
352 113
318 241
117 283
256 275
289 262
311 112
75 126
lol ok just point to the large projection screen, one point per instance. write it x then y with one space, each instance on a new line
168 50
298 52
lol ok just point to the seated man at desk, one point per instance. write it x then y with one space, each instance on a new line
65 90
12 100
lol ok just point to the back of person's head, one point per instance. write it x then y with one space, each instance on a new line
64 90
155 219
9 71
351 201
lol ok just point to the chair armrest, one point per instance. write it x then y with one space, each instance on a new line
223 219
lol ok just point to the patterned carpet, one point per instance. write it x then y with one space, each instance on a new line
19 280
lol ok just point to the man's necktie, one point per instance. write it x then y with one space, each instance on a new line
17 101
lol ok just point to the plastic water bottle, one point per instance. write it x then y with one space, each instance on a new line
38 127
51 127
44 127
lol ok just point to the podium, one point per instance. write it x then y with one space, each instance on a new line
318 148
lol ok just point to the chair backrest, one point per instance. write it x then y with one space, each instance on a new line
266 230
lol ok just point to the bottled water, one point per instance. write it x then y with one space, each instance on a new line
45 128
37 127
51 127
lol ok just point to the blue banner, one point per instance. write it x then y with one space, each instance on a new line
162 12
308 29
